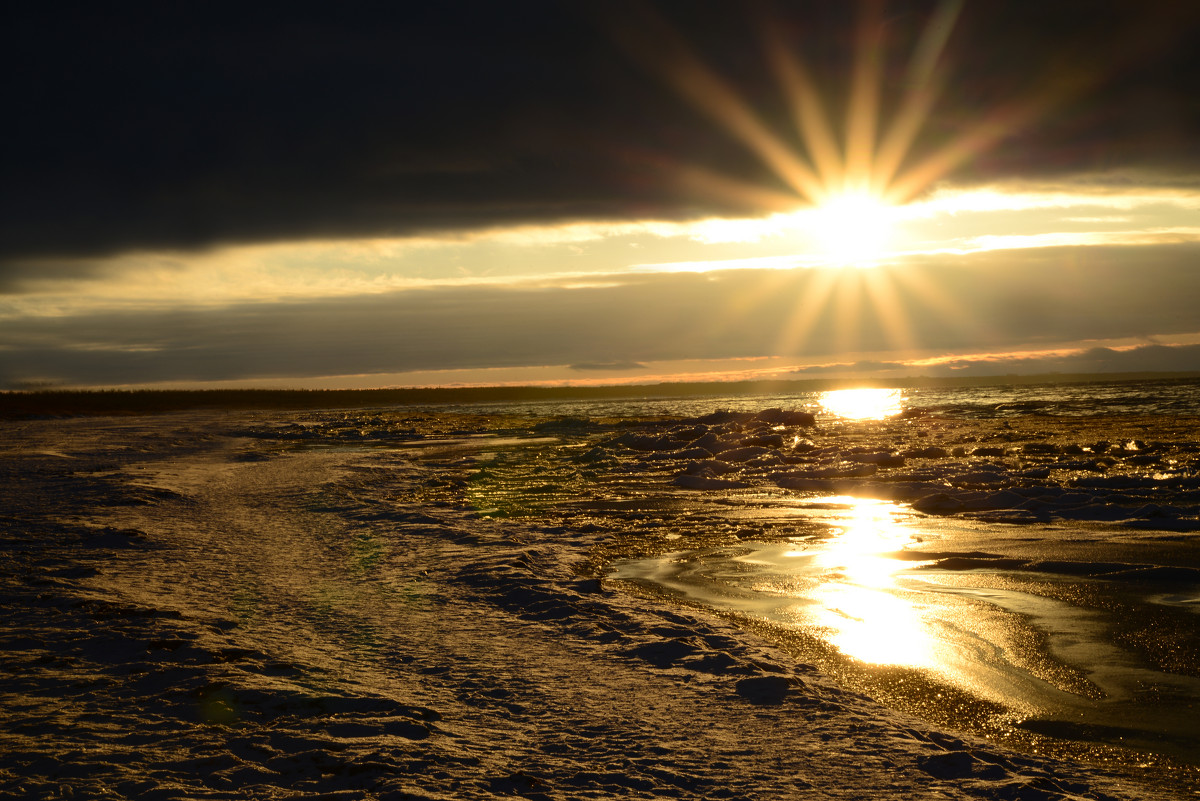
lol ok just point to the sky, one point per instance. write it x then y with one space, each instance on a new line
378 195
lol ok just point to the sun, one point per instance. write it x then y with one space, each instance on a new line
853 229
851 177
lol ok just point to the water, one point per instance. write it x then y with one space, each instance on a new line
873 590
1157 397
1165 397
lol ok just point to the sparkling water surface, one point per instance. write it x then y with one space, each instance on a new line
1158 397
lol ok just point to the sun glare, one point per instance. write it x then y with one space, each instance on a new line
847 183
853 229
852 176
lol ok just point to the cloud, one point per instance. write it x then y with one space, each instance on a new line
861 367
1143 359
1094 360
159 126
982 302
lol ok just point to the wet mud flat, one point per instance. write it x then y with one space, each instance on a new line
375 604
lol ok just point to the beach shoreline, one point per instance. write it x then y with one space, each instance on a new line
247 605
53 401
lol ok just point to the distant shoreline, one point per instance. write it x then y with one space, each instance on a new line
53 402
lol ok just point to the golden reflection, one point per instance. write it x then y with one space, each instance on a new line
862 404
875 627
857 602
866 535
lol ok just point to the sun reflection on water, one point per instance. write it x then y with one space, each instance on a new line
862 404
857 602
874 627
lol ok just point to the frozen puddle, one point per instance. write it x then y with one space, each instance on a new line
867 588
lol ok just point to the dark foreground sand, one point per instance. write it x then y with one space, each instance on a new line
366 606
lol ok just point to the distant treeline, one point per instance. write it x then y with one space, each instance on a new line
63 403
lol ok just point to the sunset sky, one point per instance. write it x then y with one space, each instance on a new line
345 195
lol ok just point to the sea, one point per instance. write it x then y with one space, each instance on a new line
1165 397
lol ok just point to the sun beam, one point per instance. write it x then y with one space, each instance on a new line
846 185
874 154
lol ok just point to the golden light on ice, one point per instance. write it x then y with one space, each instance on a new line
862 404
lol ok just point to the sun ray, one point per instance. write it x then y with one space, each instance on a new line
924 84
890 307
862 112
855 179
999 123
708 183
872 154
808 112
932 44
850 324
755 296
935 303
996 125
773 284
814 294
901 134
655 41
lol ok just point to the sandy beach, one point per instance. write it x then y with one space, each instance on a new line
387 605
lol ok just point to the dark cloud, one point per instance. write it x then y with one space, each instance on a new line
25 275
163 125
1140 359
1144 359
982 303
